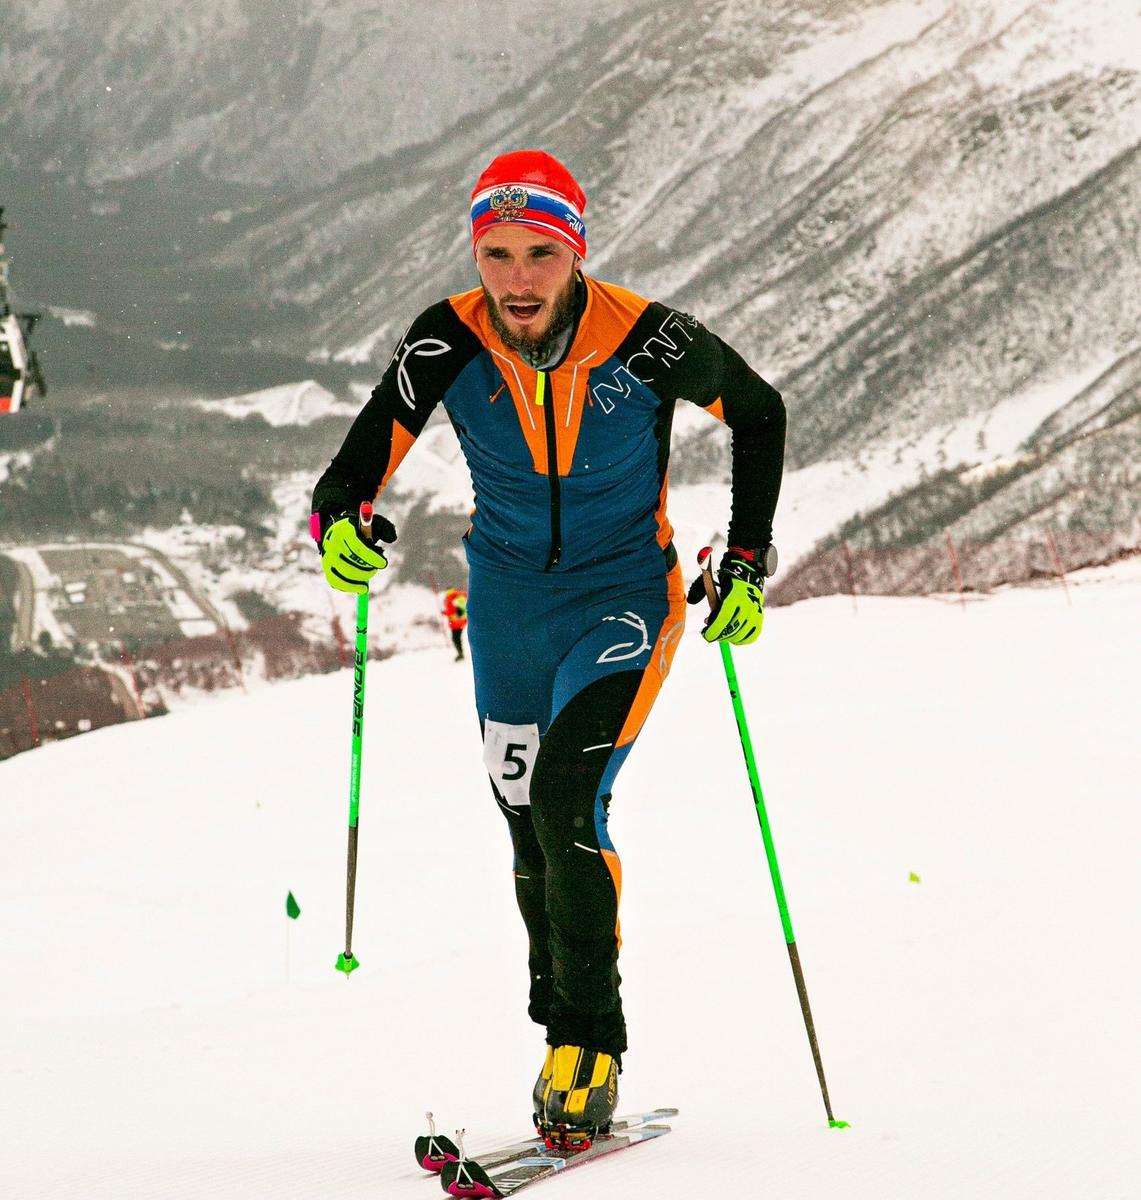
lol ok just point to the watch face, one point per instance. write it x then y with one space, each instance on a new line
768 557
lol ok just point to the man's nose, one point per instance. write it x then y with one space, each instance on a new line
519 278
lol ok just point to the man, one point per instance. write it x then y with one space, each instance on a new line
455 613
561 390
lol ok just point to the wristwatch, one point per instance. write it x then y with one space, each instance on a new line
764 558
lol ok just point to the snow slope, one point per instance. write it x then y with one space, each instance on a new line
166 1032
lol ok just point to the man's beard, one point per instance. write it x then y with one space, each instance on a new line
536 349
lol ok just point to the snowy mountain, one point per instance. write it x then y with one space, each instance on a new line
905 214
167 1033
291 404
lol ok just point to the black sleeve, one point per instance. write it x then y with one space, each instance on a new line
755 413
427 360
681 359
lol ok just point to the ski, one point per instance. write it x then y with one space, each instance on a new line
433 1150
484 1179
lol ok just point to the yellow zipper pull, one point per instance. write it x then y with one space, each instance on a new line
540 388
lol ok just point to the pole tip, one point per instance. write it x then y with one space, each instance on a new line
834 1124
347 963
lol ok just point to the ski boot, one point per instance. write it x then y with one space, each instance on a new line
576 1095
539 1095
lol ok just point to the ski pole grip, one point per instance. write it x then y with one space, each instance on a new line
704 558
365 520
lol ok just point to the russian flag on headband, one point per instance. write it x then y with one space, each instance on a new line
526 204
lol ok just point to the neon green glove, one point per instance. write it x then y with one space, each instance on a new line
739 616
349 562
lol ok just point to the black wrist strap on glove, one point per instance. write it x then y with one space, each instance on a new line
739 564
753 566
383 529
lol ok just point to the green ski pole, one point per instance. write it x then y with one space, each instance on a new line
703 561
347 961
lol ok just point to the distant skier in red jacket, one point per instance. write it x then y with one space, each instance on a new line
455 611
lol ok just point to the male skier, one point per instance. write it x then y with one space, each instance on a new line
561 389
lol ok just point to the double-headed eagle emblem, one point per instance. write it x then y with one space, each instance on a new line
508 203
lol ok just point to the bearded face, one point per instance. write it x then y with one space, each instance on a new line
529 284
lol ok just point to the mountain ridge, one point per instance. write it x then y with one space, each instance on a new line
902 214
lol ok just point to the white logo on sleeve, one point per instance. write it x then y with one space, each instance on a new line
509 755
427 347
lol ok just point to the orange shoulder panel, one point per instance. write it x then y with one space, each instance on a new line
610 315
471 308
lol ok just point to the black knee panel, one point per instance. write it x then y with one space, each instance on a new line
573 757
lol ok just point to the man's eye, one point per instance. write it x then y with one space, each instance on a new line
541 252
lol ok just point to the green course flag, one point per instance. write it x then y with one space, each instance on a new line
292 908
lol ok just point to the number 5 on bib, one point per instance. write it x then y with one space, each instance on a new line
509 755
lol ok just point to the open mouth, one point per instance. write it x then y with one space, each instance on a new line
524 310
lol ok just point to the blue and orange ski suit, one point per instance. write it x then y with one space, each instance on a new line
575 596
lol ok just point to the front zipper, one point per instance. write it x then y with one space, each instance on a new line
552 467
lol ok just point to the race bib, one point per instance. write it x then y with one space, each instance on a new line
509 754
